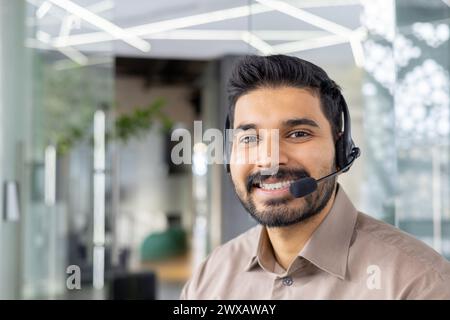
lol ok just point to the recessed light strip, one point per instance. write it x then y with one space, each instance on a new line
257 43
71 53
226 35
43 9
307 17
303 45
189 21
167 25
319 22
103 24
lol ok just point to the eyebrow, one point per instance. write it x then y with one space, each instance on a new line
247 126
300 121
287 123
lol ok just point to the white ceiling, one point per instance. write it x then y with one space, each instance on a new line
131 13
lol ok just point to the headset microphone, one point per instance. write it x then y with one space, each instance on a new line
308 185
303 187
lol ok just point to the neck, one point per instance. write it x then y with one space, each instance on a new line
288 241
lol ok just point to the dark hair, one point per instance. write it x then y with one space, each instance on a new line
255 72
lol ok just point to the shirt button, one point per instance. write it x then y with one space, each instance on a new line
287 281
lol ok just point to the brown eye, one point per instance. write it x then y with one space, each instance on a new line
248 139
298 134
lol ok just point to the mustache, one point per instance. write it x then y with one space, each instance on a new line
291 174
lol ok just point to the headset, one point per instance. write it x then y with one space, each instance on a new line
346 154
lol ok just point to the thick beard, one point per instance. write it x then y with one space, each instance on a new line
278 214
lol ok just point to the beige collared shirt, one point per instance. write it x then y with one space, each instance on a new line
349 256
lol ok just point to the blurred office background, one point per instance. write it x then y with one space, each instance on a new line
91 90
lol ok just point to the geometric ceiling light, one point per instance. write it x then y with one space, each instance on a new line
257 43
173 29
313 43
236 34
167 25
68 22
102 24
43 9
176 28
297 40
69 52
321 23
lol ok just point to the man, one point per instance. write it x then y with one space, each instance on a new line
316 246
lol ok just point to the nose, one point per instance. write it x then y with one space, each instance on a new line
270 154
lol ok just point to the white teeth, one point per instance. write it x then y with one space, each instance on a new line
275 186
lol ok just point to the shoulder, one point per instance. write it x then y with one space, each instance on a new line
223 261
406 260
388 237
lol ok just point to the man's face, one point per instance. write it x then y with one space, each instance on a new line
306 148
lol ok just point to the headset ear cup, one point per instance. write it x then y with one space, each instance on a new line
226 145
341 158
226 157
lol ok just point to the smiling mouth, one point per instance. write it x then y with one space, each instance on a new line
273 186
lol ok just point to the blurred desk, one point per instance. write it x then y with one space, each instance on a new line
177 269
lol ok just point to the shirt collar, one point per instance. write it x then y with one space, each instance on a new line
329 245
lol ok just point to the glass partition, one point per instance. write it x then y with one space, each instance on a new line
68 195
407 116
